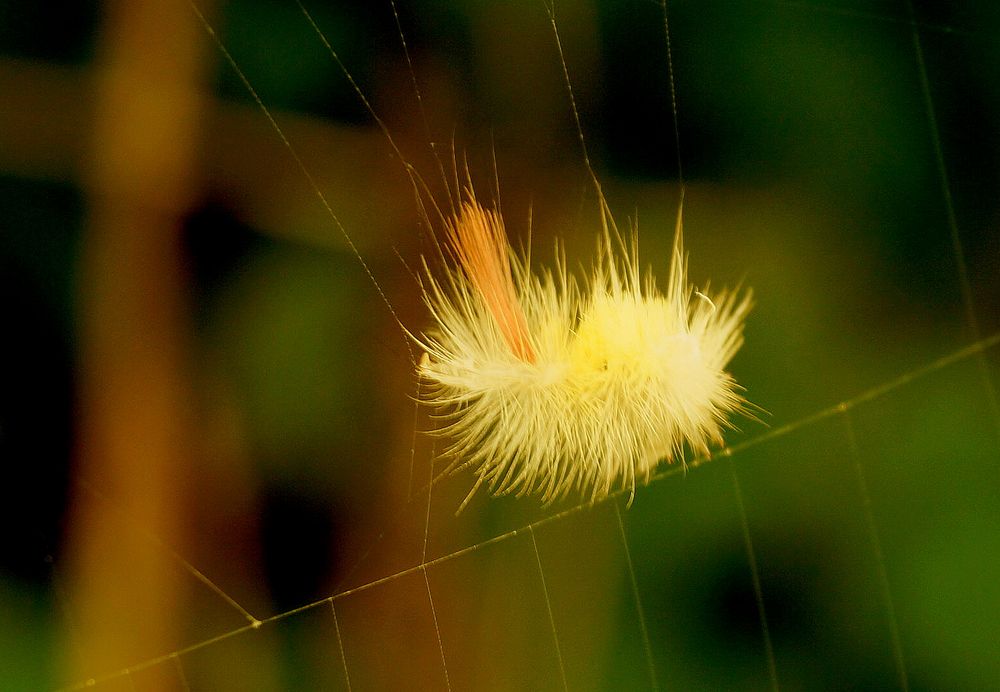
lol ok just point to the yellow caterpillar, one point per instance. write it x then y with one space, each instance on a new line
549 384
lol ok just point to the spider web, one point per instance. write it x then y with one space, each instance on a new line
829 535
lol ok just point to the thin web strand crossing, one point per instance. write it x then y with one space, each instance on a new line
979 347
838 409
876 546
961 268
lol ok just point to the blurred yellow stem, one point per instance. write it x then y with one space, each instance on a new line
133 390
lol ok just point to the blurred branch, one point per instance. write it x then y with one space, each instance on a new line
48 110
134 437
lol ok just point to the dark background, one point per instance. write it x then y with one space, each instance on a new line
841 158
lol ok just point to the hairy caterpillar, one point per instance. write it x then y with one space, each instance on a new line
551 384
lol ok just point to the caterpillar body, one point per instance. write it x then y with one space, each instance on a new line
551 384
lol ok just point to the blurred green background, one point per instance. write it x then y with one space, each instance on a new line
842 158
